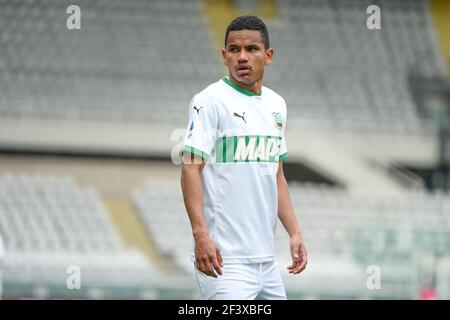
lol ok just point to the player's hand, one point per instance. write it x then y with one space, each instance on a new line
299 255
207 256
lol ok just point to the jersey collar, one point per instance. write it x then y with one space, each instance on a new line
240 89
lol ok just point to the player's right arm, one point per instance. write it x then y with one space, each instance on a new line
197 147
207 256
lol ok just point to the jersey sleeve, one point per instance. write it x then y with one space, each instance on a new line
283 147
202 127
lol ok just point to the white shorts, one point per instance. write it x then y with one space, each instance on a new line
243 282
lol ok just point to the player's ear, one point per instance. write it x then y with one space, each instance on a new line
224 55
269 56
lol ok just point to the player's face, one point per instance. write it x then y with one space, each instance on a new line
246 56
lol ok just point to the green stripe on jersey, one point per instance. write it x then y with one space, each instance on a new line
284 156
240 89
194 151
248 149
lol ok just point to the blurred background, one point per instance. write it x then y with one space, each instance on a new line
91 120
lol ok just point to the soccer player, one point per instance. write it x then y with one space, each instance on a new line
232 175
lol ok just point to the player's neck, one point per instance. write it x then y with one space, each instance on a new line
254 87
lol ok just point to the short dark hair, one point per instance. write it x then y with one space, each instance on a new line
249 23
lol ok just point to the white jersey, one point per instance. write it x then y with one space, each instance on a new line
241 135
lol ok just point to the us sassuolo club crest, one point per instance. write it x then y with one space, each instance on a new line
278 120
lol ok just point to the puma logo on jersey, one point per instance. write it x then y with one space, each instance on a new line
197 109
239 116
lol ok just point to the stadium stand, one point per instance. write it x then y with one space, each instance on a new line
132 61
121 84
345 233
349 77
145 64
50 223
161 208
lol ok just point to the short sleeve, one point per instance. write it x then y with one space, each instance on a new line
283 147
202 127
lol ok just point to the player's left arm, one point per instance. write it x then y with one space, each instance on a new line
288 219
